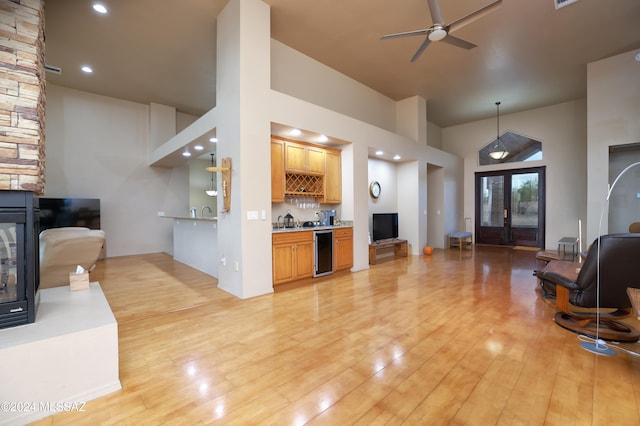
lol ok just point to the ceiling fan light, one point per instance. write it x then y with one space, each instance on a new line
437 34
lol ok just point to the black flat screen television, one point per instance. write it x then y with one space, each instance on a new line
385 226
61 212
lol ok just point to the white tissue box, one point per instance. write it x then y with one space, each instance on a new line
79 281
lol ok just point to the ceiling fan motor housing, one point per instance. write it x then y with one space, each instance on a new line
437 33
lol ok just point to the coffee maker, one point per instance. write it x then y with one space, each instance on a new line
327 217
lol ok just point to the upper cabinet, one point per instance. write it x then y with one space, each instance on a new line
303 158
333 178
305 169
277 171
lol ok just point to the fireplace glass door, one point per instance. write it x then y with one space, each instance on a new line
19 259
8 261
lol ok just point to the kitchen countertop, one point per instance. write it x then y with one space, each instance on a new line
192 218
344 224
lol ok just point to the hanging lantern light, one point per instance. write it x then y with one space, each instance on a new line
211 191
498 152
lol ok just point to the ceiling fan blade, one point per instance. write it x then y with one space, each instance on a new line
406 34
459 23
455 41
423 46
436 14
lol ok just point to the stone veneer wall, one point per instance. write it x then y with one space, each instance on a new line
22 95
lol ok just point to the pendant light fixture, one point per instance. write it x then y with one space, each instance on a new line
498 152
211 191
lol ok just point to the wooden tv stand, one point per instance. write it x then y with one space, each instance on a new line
399 247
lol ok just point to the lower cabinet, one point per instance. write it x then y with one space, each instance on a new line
292 254
343 248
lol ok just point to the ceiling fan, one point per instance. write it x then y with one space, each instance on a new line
440 31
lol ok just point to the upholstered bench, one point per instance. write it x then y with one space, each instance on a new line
460 239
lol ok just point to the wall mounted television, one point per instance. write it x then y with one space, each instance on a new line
385 226
61 212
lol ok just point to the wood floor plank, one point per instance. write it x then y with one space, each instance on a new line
452 338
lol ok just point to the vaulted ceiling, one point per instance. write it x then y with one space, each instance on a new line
529 54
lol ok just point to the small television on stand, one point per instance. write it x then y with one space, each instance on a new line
385 226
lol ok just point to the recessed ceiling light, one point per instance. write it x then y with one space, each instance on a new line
213 139
100 8
396 157
198 147
379 152
296 132
86 69
323 138
186 154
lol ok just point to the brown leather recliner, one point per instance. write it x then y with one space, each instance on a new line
619 256
63 249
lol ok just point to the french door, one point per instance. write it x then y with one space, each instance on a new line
510 207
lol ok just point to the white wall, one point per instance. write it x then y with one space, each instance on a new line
435 206
613 108
434 135
412 202
562 130
385 173
98 147
162 124
411 119
305 78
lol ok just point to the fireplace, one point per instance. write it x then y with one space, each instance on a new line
19 257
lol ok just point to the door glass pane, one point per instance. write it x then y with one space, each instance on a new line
524 200
492 209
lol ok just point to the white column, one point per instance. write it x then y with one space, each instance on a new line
243 83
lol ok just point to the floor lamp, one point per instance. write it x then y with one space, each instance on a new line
598 346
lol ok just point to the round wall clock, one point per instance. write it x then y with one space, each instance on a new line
374 189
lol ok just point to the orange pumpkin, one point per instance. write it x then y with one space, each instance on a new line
428 250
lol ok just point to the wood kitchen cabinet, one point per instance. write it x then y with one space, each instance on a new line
302 169
299 158
333 178
277 171
342 248
292 254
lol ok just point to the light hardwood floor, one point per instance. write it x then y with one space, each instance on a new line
452 338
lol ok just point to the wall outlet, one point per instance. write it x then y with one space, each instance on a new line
223 260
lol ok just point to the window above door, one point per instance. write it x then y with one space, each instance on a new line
517 148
